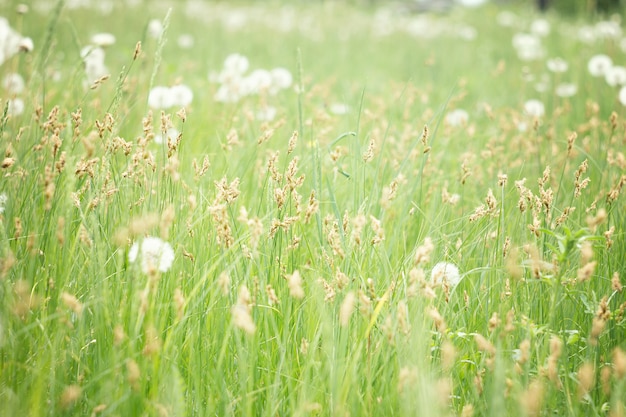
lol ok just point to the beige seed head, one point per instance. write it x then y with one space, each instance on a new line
72 303
586 379
616 284
448 355
531 400
133 374
294 282
70 395
619 363
347 308
484 345
586 272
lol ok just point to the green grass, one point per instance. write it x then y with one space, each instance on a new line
84 331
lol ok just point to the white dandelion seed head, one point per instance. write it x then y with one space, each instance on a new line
185 41
339 109
236 64
534 108
26 45
507 18
599 64
557 65
181 95
103 39
259 80
3 202
13 83
587 35
471 3
540 27
160 97
15 106
155 28
615 76
445 272
171 134
608 29
266 114
153 253
622 96
228 93
281 78
566 90
457 117
528 46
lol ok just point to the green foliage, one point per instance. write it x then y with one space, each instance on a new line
304 245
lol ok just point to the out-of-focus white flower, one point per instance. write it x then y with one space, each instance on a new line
266 114
154 254
185 41
160 97
468 33
566 90
534 108
339 108
528 46
540 27
155 28
471 3
557 65
171 135
258 81
599 64
445 272
26 45
281 78
11 42
93 57
93 54
181 95
236 64
507 18
586 34
457 117
608 30
15 106
616 75
622 96
103 39
3 202
227 94
13 83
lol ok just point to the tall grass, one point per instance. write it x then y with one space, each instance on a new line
301 282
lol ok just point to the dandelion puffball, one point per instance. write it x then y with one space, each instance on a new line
557 65
457 117
154 254
622 96
445 272
598 65
615 76
161 97
534 108
13 83
103 39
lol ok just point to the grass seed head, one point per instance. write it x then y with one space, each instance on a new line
586 379
347 308
619 364
70 395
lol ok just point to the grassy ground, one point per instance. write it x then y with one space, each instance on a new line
303 246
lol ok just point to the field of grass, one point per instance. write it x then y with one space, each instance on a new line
310 209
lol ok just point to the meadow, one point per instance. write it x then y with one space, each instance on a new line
311 209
